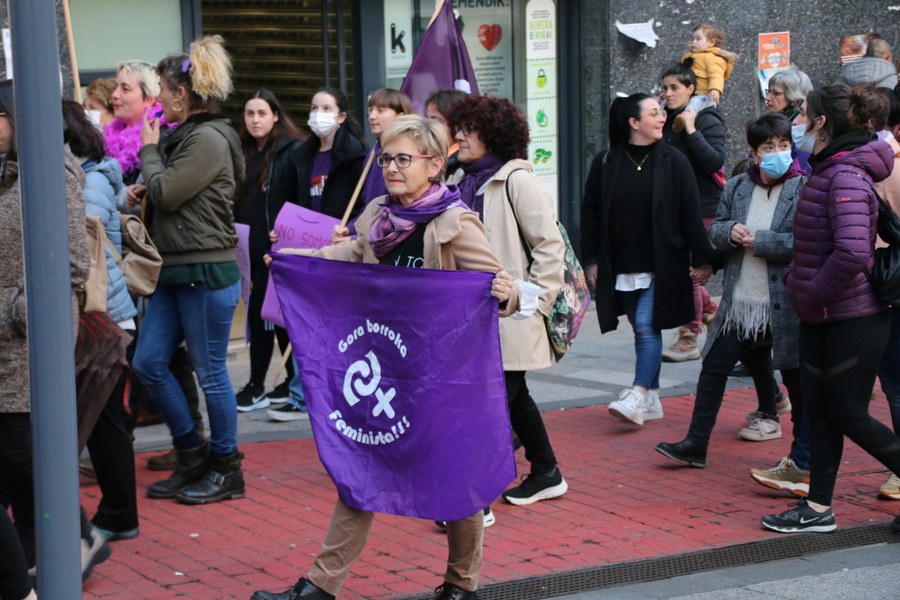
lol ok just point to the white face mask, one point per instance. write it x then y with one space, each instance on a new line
322 123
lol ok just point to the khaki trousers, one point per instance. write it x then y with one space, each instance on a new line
346 539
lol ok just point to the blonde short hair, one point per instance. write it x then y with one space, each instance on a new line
145 75
428 135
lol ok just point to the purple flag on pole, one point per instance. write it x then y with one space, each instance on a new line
404 382
442 61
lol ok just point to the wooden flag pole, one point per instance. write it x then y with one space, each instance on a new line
70 38
437 11
281 366
359 184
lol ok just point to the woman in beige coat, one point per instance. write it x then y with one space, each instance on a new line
421 223
518 216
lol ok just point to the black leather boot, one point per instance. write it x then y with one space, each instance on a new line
684 451
192 464
224 480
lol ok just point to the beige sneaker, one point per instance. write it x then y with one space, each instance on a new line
890 488
761 429
786 475
683 347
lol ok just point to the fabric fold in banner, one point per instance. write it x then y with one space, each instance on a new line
442 61
404 383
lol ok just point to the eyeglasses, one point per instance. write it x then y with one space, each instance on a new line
465 130
774 93
402 160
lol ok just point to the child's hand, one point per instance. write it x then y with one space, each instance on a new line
690 118
715 95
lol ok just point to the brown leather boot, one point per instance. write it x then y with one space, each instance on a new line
169 460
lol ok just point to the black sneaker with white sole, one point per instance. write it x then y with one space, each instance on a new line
287 412
280 393
802 518
536 487
251 397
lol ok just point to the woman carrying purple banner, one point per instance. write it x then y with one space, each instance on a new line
421 223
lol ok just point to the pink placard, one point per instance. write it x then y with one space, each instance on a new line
297 227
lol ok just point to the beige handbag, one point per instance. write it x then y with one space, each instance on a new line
140 260
96 286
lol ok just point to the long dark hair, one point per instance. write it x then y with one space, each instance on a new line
846 109
340 98
284 129
8 106
620 111
79 133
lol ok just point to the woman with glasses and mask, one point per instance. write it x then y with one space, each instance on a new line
786 93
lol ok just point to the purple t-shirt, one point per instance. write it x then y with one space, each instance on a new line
318 177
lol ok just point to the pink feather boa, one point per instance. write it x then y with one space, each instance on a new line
123 141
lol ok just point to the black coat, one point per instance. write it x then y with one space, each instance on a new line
348 156
679 238
705 150
282 185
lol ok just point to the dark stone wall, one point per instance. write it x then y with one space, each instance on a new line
64 57
615 63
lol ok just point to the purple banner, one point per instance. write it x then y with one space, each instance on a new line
404 382
442 61
297 227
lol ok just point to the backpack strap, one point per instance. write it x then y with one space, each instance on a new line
516 218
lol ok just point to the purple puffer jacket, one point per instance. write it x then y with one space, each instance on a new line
834 236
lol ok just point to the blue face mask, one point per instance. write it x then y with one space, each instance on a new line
801 140
776 164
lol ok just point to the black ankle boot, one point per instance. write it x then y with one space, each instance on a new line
224 480
192 464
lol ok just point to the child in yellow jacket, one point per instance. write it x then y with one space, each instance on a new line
710 63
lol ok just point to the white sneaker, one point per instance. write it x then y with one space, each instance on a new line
489 518
652 406
782 407
761 430
93 553
629 407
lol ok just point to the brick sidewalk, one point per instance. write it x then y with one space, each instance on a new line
625 502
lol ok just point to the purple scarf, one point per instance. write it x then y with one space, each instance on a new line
476 175
396 222
795 170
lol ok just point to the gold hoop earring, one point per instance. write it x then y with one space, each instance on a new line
180 106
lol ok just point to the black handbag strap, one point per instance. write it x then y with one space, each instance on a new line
516 218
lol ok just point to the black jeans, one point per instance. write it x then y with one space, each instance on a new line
112 455
17 465
528 424
262 339
14 581
838 362
727 349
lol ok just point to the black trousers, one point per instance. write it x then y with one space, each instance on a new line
528 424
16 461
725 352
112 455
838 362
262 339
14 581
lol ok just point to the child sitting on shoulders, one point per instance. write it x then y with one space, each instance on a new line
710 63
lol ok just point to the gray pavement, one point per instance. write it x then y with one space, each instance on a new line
863 573
593 372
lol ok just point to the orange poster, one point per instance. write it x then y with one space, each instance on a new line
774 50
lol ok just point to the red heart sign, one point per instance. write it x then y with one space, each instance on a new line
489 35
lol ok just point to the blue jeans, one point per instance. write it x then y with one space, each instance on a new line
638 307
296 388
889 371
201 318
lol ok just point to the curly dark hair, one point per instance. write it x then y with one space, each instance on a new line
499 123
